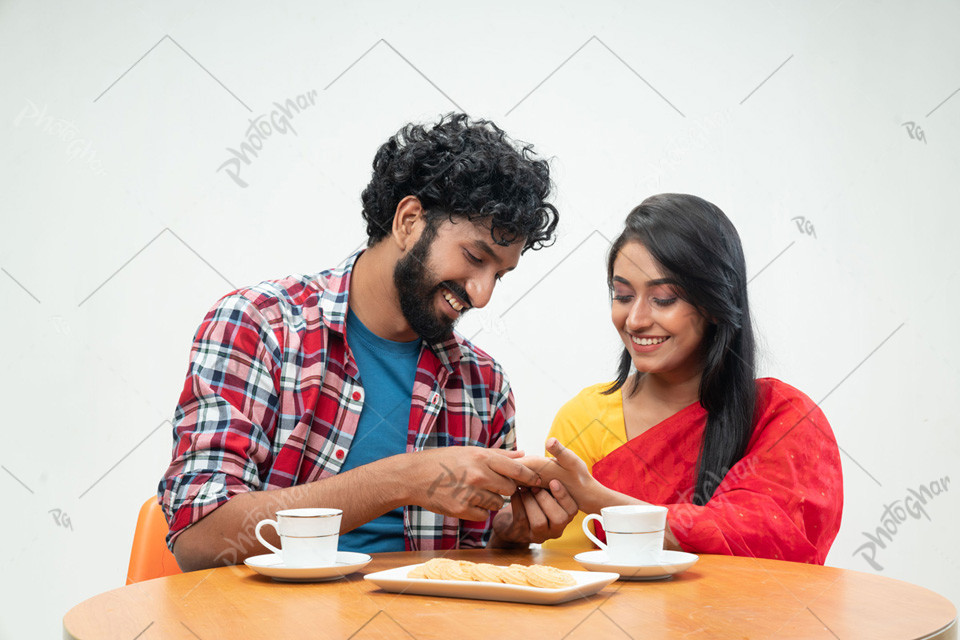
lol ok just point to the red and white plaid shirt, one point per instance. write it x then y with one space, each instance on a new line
272 399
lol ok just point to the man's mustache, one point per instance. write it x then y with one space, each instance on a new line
457 290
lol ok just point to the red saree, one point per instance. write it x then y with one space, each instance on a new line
783 500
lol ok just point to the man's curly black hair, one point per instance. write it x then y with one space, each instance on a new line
465 168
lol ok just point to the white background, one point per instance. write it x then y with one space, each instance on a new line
118 232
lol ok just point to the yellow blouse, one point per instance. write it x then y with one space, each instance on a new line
591 425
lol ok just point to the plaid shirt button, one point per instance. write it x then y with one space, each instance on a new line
339 453
357 395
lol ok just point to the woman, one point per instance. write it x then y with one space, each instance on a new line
745 467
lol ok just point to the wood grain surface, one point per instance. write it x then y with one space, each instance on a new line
720 597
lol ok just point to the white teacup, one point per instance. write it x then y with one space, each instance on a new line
634 532
308 537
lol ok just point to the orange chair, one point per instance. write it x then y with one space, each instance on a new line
150 558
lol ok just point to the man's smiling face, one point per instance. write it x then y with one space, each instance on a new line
453 267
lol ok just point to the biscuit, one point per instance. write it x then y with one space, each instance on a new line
417 572
485 572
514 574
455 571
540 575
432 567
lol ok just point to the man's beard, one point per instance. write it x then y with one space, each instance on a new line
417 288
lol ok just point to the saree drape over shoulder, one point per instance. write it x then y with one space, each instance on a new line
782 500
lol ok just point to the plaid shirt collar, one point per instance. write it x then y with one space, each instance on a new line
334 304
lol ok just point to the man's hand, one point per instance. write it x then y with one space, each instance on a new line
467 482
534 515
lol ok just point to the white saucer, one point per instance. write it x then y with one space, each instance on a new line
670 563
271 565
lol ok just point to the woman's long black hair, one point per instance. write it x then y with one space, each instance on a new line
697 245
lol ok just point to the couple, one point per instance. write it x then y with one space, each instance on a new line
349 388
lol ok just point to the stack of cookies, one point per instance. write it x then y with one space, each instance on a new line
537 575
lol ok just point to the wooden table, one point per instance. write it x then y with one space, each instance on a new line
720 597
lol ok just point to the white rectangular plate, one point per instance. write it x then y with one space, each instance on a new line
396 580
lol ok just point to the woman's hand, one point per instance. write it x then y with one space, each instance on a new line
567 468
591 496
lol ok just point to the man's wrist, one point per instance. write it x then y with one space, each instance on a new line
405 480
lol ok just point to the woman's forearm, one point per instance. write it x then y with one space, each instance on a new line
598 496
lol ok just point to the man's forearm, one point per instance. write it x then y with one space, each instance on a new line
226 535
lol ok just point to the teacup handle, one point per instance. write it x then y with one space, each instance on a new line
272 523
595 539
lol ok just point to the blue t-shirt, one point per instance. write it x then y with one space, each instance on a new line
387 371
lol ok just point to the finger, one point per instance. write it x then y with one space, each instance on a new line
481 475
509 453
519 512
474 514
486 500
565 458
544 467
479 504
514 470
495 483
563 498
536 518
556 515
474 463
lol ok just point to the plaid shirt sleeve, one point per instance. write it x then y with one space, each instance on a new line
502 436
225 416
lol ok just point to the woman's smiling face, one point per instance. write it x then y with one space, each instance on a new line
662 332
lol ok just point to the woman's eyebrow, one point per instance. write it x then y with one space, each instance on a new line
659 281
649 283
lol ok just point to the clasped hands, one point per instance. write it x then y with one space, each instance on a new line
541 512
470 482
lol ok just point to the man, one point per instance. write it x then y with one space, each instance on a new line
349 389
